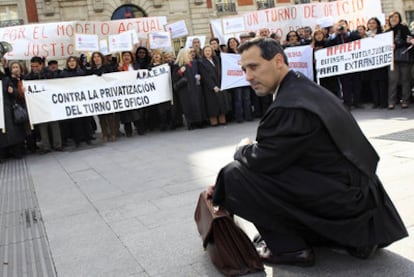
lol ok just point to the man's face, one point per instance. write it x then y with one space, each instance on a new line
196 43
214 44
264 76
264 32
53 67
36 67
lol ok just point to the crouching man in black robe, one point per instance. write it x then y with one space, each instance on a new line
309 178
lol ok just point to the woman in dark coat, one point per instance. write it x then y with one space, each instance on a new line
216 101
191 99
376 78
79 129
99 66
402 63
135 116
12 140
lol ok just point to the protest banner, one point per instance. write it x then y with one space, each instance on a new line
301 59
87 43
284 18
57 99
177 29
56 40
232 76
159 40
360 55
2 122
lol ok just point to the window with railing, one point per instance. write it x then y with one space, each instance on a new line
9 16
409 15
225 6
265 4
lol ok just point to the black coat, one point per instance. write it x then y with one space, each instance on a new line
401 32
216 103
313 166
191 98
15 133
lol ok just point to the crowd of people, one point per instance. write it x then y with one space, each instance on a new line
198 100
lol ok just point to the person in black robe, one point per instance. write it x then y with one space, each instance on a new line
217 105
185 83
310 177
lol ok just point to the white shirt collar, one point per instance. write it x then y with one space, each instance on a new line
275 93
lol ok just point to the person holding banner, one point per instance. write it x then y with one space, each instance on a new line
216 101
39 72
377 78
352 82
304 182
160 113
242 104
320 41
13 137
137 115
98 67
292 39
79 129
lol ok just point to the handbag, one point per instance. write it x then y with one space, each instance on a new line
229 248
19 114
180 83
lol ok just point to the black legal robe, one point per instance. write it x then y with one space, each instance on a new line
312 167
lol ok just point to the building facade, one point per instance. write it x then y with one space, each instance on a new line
196 13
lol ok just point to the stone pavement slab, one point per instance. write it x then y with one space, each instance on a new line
126 208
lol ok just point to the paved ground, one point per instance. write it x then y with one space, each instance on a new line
126 208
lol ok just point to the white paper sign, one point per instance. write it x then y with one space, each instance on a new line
231 72
233 25
177 29
159 40
86 43
120 42
57 99
103 47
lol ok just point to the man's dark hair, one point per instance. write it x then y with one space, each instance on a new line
268 47
36 59
52 62
215 39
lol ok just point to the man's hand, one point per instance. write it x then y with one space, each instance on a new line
244 142
210 191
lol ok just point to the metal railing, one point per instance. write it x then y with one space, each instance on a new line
226 7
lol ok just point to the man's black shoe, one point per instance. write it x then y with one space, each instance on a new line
304 257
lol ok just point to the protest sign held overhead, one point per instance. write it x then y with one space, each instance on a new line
87 43
177 29
159 40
